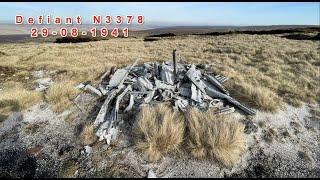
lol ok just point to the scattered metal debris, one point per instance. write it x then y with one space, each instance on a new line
126 89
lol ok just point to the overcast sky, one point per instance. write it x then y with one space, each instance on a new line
179 13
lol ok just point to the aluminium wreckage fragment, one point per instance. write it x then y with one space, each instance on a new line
144 84
92 89
104 108
216 94
195 77
196 94
109 129
131 102
216 83
119 98
166 74
181 104
120 75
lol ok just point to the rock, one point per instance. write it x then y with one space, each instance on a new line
38 74
76 173
305 156
41 88
43 84
250 127
151 174
88 150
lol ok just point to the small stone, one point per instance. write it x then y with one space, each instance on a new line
250 127
151 174
305 156
88 149
286 133
38 74
41 88
76 173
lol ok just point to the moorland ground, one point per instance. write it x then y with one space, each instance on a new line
266 72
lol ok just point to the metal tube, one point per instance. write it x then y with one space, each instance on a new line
174 63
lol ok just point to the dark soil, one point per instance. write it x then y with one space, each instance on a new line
302 37
163 35
16 163
148 39
295 34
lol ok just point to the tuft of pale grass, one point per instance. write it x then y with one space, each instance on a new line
60 95
216 137
87 135
158 131
17 99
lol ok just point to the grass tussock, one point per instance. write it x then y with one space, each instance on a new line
158 131
217 137
16 99
87 135
60 95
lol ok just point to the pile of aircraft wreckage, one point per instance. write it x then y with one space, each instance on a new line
184 85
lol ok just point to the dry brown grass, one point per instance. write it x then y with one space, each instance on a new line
61 94
217 137
257 97
158 131
16 98
87 135
68 169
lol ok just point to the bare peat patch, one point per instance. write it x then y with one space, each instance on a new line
157 37
78 39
